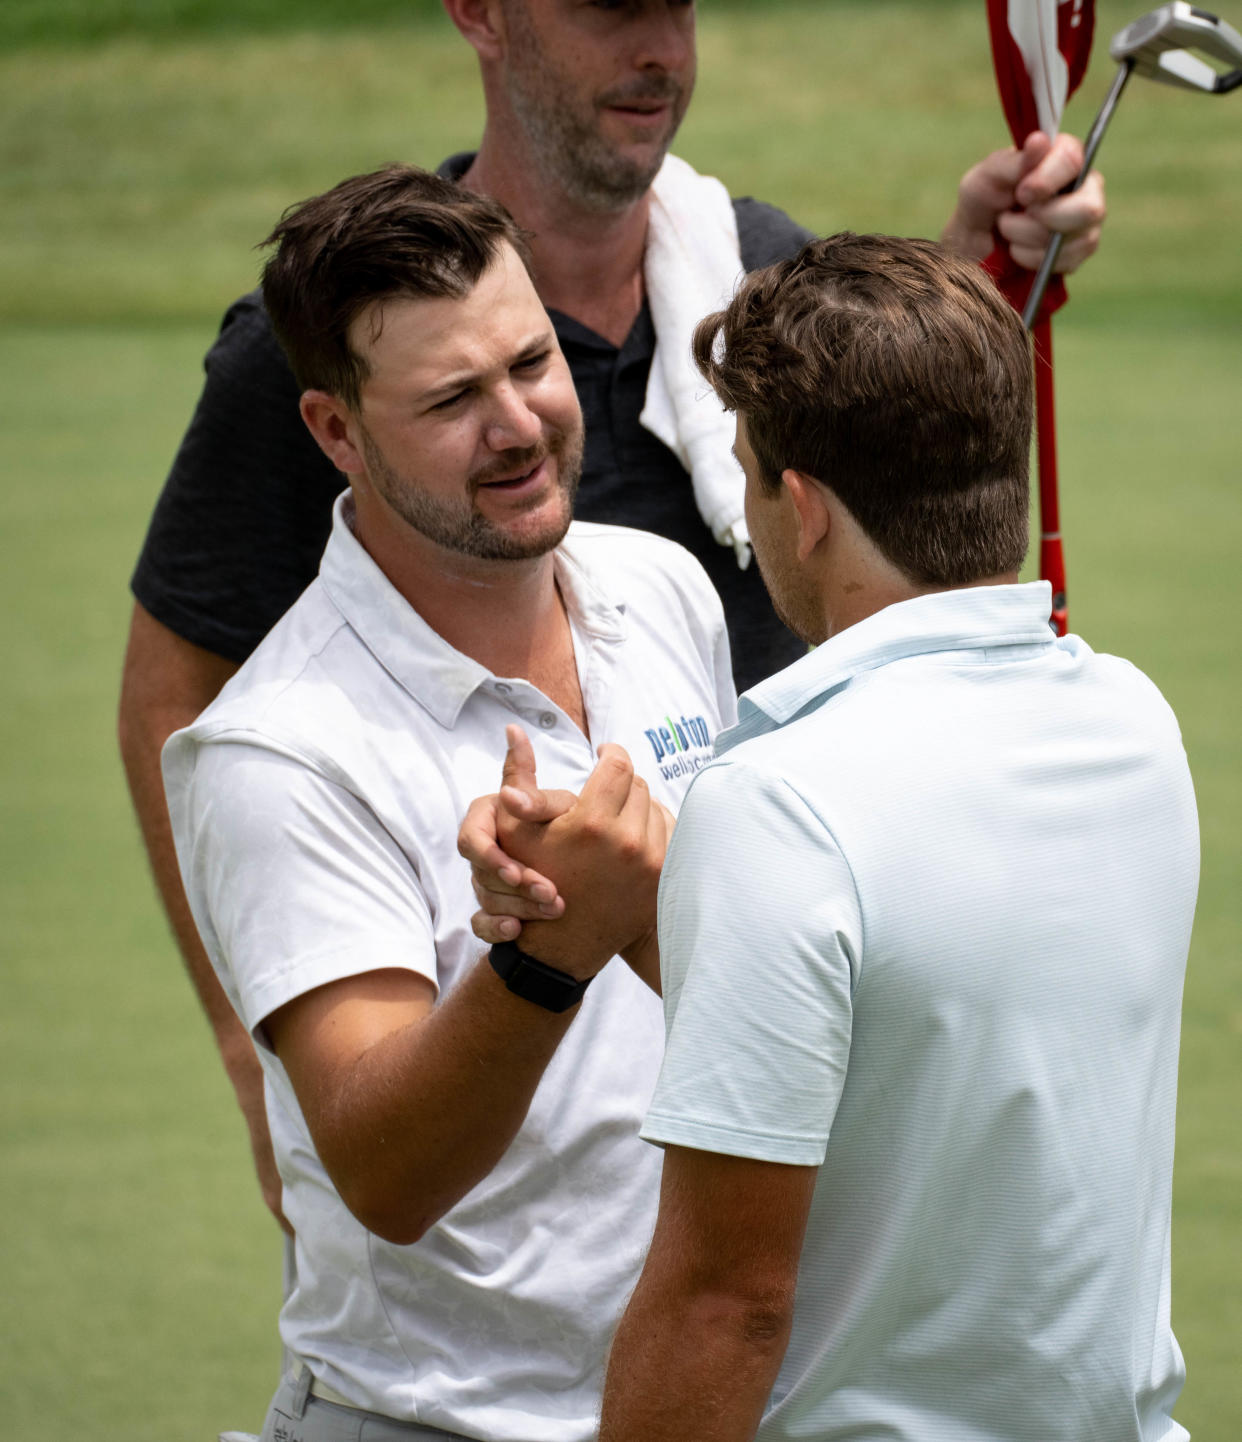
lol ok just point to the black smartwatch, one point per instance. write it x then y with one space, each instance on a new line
533 981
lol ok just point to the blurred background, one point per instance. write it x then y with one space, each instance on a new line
145 147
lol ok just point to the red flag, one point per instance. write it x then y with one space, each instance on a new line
1040 50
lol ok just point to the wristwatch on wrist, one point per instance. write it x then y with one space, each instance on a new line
533 981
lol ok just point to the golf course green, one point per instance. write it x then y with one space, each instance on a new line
146 146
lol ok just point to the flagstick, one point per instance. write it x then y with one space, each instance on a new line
1051 552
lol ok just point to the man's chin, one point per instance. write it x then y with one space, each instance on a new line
618 174
637 160
522 537
508 547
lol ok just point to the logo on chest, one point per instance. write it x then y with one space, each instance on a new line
681 747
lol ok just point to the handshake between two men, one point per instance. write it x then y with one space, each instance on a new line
572 879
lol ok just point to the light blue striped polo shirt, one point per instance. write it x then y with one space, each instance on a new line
924 924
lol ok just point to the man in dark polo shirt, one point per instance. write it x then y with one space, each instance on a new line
582 103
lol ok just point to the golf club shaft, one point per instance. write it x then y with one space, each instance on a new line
1094 136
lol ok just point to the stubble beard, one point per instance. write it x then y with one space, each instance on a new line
459 526
567 145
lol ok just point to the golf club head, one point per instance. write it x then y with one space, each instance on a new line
1158 45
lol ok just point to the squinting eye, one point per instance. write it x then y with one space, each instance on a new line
530 362
449 401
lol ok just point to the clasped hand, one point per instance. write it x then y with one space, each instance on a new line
573 878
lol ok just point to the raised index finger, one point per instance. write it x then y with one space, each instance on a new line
519 763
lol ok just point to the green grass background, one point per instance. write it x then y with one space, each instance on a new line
145 146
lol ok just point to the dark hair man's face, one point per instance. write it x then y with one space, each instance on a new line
469 422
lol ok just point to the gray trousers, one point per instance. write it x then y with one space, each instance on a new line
296 1416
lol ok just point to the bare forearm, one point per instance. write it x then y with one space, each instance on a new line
643 959
691 1368
146 788
701 1342
425 1113
166 684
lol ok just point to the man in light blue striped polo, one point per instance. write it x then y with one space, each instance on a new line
923 927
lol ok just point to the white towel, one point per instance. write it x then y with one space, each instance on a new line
691 267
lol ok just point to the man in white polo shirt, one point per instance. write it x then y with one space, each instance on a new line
923 926
457 1140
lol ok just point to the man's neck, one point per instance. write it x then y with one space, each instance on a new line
587 264
848 606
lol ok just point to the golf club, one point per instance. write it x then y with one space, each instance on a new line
1157 46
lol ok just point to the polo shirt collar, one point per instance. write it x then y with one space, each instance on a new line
435 674
964 620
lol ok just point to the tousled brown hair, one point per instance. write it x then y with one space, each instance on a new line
895 374
397 231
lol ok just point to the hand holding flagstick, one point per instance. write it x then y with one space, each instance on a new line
1040 50
1017 193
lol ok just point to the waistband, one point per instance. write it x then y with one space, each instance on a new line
300 1385
330 1394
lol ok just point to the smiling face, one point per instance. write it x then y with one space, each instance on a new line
599 87
468 423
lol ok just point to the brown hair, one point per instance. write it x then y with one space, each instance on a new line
895 374
397 231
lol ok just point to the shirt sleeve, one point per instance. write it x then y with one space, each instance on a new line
760 935
240 526
292 880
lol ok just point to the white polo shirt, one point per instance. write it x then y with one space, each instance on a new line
315 807
945 966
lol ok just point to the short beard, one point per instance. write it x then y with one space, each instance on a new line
568 147
458 525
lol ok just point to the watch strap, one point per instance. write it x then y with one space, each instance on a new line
534 981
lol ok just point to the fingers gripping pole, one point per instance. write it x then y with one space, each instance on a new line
1094 136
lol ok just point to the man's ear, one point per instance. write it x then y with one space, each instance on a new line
328 420
482 23
811 508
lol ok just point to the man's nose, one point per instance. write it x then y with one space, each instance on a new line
665 37
511 424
